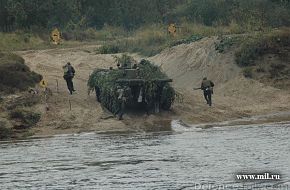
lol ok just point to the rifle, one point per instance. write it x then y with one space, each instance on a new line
201 89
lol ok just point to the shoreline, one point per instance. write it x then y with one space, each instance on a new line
236 99
257 120
40 132
265 119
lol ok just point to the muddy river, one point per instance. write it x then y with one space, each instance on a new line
186 158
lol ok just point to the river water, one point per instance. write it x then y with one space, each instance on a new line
186 158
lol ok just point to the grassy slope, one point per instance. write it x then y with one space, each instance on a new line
16 112
14 74
264 56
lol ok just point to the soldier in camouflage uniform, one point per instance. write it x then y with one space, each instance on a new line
207 87
122 98
69 73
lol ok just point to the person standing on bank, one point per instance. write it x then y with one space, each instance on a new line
207 87
69 73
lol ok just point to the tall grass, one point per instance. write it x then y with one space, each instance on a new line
6 130
27 117
40 38
262 43
20 41
151 39
147 40
107 33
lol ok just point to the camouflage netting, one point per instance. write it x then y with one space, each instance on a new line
106 81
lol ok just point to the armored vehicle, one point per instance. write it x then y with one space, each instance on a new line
142 86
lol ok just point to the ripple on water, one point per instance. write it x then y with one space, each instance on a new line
187 159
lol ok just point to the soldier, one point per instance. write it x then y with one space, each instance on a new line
69 73
121 101
207 87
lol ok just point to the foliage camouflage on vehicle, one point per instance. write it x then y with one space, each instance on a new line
107 82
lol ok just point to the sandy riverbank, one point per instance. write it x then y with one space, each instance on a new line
235 96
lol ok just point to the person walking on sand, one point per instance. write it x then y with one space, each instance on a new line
69 73
207 87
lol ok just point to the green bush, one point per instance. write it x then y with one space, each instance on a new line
225 44
248 72
253 47
260 69
26 116
188 40
146 41
5 129
107 33
108 49
140 46
15 75
250 48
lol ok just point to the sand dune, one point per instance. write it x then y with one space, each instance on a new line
235 96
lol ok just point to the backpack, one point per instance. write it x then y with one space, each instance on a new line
65 70
68 71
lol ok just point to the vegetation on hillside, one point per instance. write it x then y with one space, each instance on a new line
6 130
15 75
131 14
263 56
15 110
27 117
134 26
257 45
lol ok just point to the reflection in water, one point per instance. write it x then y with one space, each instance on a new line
188 159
